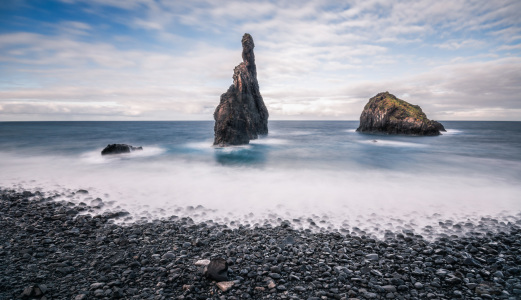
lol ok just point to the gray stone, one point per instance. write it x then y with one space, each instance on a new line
389 288
372 256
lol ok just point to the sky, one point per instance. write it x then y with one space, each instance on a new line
316 60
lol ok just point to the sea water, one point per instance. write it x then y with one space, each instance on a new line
318 175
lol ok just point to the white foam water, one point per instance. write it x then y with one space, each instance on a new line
452 132
94 157
369 201
269 141
378 142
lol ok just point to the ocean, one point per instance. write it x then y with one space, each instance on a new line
316 175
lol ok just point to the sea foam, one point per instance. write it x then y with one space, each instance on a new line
365 200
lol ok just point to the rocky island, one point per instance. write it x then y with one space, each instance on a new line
241 114
384 113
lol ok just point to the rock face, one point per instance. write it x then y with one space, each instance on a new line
384 113
119 148
241 114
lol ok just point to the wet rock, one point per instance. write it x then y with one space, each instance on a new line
118 149
241 114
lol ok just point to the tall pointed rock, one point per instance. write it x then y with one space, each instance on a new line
241 115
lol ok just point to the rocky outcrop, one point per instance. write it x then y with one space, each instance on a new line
241 114
384 113
439 126
119 148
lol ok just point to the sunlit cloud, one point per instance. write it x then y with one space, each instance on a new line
167 60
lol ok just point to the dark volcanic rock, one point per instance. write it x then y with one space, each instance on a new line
384 113
119 148
217 270
439 126
241 115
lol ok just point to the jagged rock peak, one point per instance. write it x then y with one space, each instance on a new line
384 113
248 57
241 114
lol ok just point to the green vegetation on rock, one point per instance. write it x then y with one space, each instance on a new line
384 113
399 109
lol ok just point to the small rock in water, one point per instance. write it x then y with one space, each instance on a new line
119 148
217 270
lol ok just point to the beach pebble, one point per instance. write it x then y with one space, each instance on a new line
202 262
225 285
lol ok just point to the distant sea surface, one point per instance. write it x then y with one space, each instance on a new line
322 171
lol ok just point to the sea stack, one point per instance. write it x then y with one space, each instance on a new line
241 115
384 113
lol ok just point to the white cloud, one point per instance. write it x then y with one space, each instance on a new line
312 62
458 44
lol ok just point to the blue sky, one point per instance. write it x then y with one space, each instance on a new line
171 60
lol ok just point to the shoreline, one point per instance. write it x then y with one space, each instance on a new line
49 244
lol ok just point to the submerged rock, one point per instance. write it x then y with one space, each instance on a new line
241 114
384 113
119 148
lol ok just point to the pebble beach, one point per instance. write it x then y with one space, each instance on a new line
53 249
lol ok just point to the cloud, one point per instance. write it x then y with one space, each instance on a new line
455 44
315 59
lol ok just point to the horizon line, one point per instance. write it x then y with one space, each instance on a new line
290 120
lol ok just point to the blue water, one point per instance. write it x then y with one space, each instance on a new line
298 169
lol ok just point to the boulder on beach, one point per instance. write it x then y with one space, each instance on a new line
241 115
217 270
384 113
119 148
